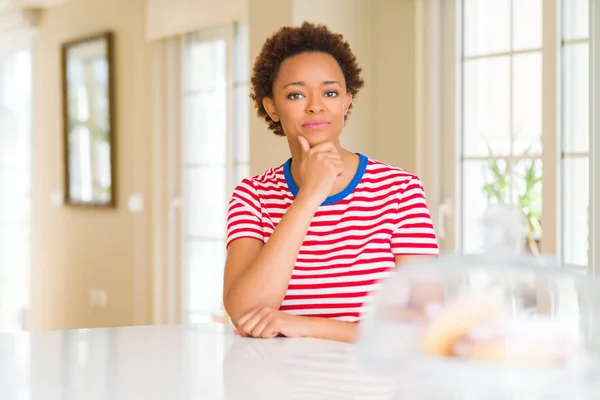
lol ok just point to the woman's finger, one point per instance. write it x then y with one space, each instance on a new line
270 330
248 315
260 325
249 325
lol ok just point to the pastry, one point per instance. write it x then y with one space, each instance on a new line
479 330
453 322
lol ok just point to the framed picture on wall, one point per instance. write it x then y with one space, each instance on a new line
89 121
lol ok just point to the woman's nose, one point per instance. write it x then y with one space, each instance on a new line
314 105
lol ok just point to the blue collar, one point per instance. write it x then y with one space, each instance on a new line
362 166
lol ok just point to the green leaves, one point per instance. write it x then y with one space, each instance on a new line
497 186
510 183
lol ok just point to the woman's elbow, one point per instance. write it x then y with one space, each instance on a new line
229 306
234 306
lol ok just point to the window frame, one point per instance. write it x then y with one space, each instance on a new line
228 33
594 137
224 33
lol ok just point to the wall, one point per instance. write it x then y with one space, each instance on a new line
175 17
394 71
76 250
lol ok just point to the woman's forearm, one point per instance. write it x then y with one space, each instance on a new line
329 329
265 281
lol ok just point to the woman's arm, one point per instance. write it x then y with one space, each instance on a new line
265 322
330 329
257 275
269 322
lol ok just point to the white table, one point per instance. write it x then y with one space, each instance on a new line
178 362
197 362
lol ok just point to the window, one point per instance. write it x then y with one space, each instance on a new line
215 158
575 154
524 121
501 114
15 150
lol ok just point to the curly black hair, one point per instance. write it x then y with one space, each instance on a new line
290 41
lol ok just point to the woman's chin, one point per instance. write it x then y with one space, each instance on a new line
316 137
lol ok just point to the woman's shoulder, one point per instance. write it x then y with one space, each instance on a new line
267 180
385 172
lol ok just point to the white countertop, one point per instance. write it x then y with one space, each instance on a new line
178 362
196 362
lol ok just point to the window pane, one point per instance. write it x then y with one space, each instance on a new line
576 15
527 24
205 69
486 27
486 107
241 65
15 182
205 132
241 124
484 183
15 204
527 104
204 261
527 196
575 197
14 274
211 157
576 86
205 201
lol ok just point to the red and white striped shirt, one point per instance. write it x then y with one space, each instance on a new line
352 240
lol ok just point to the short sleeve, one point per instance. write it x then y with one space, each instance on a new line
414 233
244 213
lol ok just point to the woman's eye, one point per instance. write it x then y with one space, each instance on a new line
295 96
331 93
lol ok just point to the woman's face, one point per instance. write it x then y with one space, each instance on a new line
309 98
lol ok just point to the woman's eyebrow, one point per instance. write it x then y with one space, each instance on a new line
297 83
302 83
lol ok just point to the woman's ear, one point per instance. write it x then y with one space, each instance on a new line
269 106
348 103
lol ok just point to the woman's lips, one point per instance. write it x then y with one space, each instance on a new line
315 124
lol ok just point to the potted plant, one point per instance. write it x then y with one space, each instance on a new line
500 184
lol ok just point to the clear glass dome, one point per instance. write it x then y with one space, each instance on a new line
499 321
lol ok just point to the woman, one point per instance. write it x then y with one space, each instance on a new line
309 240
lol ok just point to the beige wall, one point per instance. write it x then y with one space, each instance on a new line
174 17
394 124
76 250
